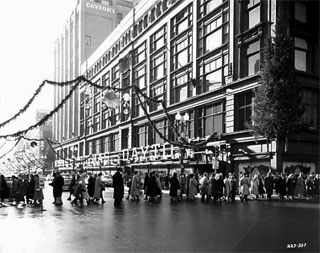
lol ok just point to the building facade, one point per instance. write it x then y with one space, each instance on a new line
89 24
201 59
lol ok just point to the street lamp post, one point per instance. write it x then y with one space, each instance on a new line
182 125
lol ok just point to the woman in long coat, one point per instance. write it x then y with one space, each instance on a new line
193 187
228 187
244 187
300 186
98 188
152 187
135 187
118 186
204 187
174 186
255 186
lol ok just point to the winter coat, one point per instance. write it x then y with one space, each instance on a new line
244 186
135 186
193 187
152 187
300 185
282 185
204 186
255 186
57 184
227 186
98 188
118 186
268 183
91 183
174 186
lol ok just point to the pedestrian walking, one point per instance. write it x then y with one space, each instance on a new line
57 184
291 185
268 182
204 187
310 186
145 185
228 187
244 184
135 187
300 186
159 185
13 190
282 186
193 187
261 187
255 186
91 184
77 192
182 182
72 186
118 187
152 188
98 189
4 189
174 187
38 196
21 191
30 190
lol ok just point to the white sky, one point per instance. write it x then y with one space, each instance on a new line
28 32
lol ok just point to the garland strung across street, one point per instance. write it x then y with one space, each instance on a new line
182 143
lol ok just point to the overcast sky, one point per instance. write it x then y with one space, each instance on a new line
28 32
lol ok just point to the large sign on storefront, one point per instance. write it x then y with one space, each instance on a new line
100 7
151 153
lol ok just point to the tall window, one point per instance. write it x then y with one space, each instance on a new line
253 58
182 21
181 86
242 110
140 76
115 73
96 123
162 128
140 54
207 6
125 138
141 136
300 54
158 39
158 66
300 12
212 72
182 51
106 79
211 119
137 109
213 32
253 13
157 92
310 117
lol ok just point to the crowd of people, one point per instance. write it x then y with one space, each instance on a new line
23 190
214 187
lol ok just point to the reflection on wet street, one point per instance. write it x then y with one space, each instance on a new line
258 226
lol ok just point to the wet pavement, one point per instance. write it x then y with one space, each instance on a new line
256 226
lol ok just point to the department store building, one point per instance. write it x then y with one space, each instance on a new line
202 59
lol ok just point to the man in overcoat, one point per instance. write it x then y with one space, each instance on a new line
118 187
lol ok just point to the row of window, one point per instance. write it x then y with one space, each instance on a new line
203 121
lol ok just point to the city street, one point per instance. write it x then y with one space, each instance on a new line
256 226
